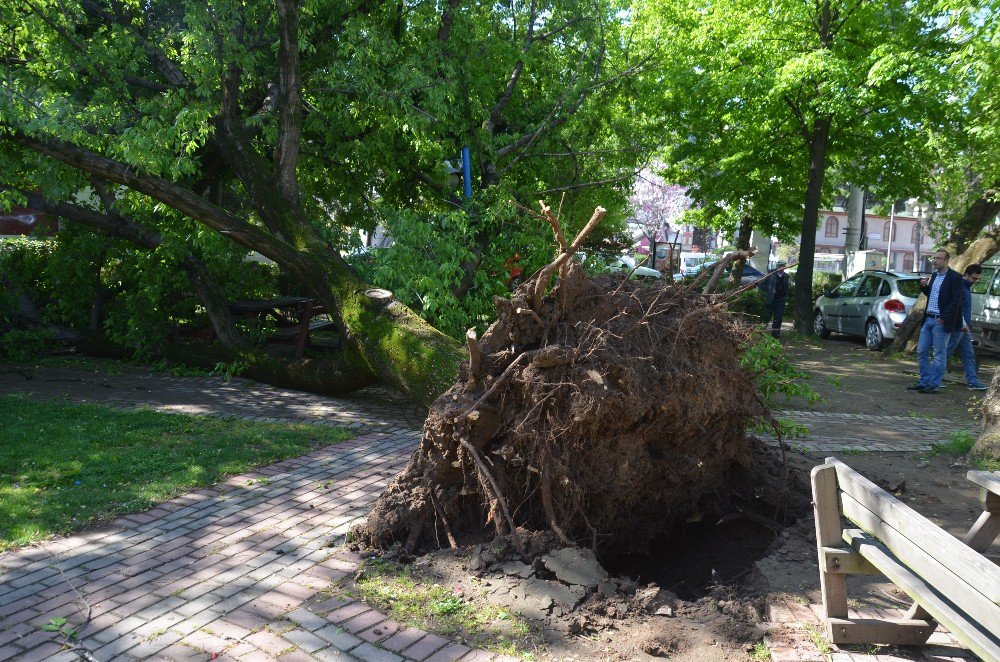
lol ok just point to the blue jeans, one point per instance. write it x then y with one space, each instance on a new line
963 341
933 335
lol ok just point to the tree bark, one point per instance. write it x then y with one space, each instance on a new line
988 445
286 153
818 141
742 247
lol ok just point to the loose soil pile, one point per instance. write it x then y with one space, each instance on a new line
600 414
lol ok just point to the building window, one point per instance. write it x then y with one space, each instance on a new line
915 234
822 250
908 262
832 226
885 231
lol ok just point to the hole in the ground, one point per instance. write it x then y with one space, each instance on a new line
684 558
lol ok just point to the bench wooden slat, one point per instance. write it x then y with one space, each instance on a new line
947 578
968 632
897 632
988 479
968 564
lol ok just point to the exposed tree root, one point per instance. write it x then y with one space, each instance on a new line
613 409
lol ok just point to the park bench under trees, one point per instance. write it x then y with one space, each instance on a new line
296 319
952 582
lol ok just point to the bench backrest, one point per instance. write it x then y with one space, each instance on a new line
962 575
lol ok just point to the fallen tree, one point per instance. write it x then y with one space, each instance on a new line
600 412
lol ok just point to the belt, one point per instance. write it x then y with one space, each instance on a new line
932 315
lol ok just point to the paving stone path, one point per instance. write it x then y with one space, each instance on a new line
245 570
835 431
374 407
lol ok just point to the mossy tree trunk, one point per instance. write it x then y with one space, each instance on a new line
988 445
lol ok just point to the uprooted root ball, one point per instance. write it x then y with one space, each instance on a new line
604 414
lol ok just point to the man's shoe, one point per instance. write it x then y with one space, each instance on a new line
930 390
977 387
916 387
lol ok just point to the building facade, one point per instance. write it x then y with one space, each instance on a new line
906 246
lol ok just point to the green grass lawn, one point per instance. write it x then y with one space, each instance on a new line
65 466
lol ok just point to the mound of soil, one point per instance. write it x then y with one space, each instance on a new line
602 413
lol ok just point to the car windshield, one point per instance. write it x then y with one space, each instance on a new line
909 287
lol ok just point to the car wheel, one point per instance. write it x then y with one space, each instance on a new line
873 336
819 326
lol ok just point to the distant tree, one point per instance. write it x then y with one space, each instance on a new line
761 98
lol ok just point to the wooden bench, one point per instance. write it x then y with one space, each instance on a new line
295 317
950 581
300 334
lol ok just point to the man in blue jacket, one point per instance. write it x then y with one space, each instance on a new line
942 318
775 289
963 339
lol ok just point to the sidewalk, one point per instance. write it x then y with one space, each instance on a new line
243 570
832 432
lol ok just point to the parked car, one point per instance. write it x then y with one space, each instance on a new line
750 272
871 304
626 264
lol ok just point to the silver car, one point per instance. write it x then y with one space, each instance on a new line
626 264
871 304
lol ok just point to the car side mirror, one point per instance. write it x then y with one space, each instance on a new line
832 294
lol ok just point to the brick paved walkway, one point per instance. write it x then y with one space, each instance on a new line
374 407
792 639
834 431
242 570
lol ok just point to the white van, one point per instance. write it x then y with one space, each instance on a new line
691 261
986 306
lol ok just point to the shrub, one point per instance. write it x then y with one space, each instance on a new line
823 282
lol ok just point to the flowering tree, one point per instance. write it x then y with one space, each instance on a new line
656 204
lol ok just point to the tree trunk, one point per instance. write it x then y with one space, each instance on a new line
988 445
980 214
742 246
818 141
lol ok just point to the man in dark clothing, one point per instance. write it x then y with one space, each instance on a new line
943 317
775 289
963 339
